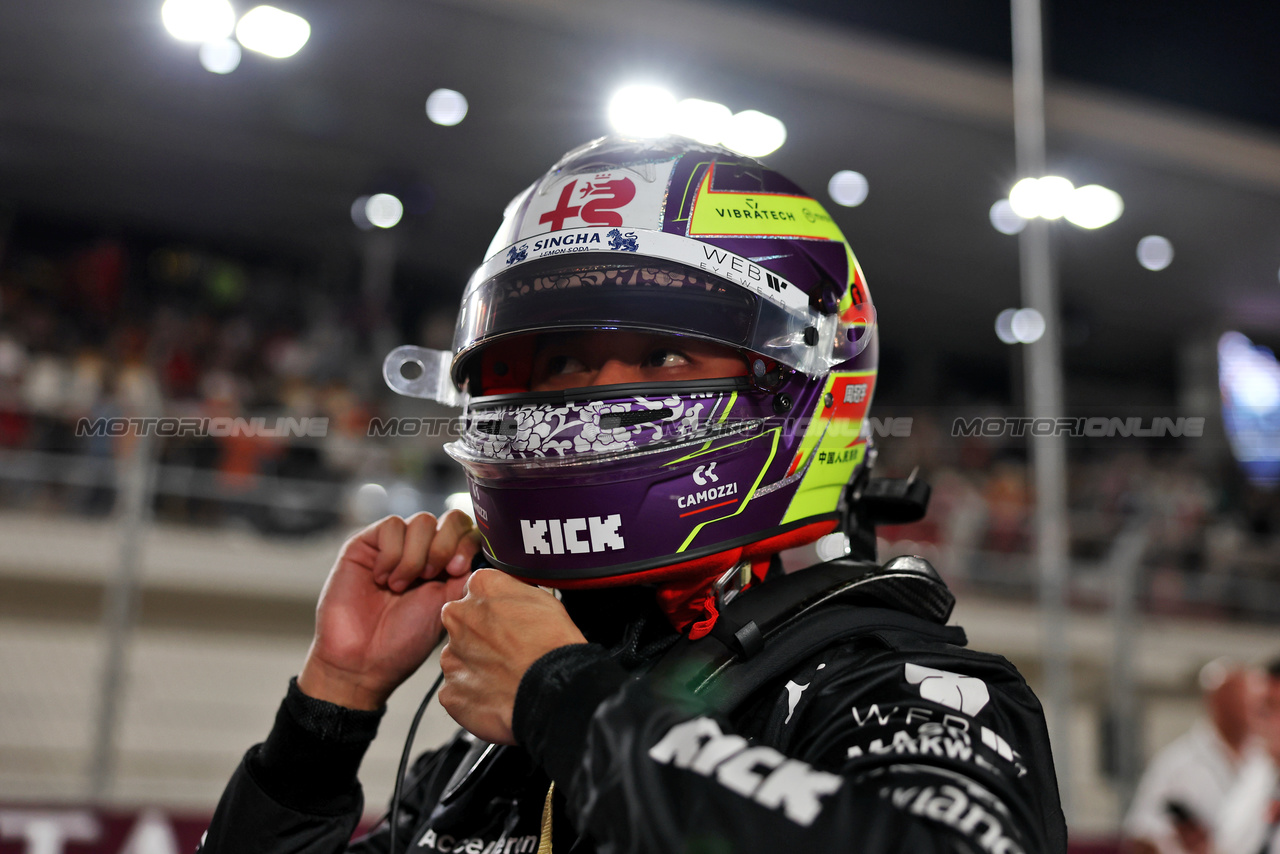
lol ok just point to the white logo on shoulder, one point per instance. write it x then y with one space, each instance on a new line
759 772
964 693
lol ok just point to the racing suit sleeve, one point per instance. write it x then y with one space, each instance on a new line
855 753
297 792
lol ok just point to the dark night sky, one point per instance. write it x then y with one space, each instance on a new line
1216 56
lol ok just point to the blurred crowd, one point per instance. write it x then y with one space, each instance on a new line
106 329
1212 538
102 328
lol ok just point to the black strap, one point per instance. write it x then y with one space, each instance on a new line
745 639
736 678
770 628
908 585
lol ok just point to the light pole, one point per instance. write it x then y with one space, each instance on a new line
1043 378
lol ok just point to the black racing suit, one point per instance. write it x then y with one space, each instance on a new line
888 741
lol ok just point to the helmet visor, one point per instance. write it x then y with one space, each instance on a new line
643 295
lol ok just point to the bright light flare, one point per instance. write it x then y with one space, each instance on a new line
1004 326
1006 221
1155 252
1027 325
754 133
1024 198
704 121
650 111
1093 206
383 210
1020 326
358 215
1046 197
1053 197
446 107
643 111
848 188
198 20
221 56
273 31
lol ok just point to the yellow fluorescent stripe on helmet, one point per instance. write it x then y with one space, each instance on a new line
836 453
758 215
750 493
733 398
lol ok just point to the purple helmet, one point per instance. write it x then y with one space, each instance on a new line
625 483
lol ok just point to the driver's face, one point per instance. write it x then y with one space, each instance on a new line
578 359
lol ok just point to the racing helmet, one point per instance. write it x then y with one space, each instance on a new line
621 484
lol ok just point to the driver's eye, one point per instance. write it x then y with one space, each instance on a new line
564 365
666 359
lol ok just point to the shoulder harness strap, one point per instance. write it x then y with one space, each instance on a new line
772 627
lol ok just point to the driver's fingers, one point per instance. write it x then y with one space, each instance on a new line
420 530
389 536
468 548
456 543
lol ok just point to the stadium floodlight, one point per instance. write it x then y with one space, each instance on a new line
1054 197
1024 198
1044 197
383 210
641 110
446 107
1027 325
1155 252
848 188
1093 206
358 215
754 133
649 111
198 20
1053 194
221 56
705 121
1004 325
1006 220
273 31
